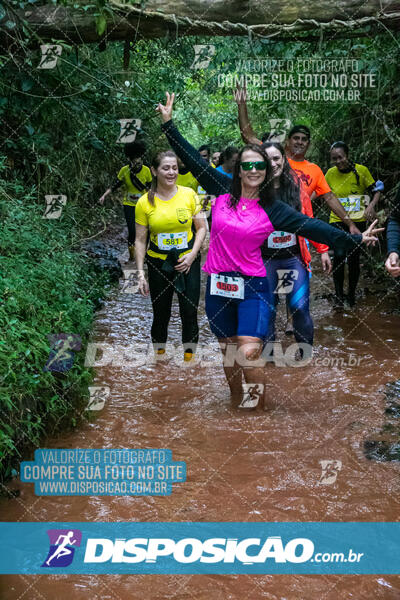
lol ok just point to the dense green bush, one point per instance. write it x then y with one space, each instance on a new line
46 288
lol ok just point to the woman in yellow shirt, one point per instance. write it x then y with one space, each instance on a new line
135 179
167 212
351 183
185 178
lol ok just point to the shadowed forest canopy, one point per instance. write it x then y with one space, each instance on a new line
108 69
78 21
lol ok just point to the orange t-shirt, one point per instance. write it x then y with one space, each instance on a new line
311 176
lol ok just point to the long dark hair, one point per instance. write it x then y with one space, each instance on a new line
155 163
289 182
352 165
266 191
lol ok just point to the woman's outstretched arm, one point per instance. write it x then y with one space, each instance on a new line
284 217
213 181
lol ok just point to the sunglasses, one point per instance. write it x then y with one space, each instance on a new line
258 165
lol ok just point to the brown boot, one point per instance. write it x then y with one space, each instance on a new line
131 252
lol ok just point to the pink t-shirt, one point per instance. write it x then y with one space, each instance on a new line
237 236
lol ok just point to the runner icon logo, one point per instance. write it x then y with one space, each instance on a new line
50 54
286 280
203 56
62 547
54 206
129 129
98 397
130 284
251 395
278 130
62 353
330 470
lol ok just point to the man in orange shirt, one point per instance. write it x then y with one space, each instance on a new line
297 145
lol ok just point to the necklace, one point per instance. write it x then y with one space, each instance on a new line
244 205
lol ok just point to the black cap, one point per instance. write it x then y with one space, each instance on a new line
135 149
300 129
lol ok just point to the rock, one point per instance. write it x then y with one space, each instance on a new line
104 258
387 450
381 451
393 411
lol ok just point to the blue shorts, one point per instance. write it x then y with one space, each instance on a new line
291 276
229 317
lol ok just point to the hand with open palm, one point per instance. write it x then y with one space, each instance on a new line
369 235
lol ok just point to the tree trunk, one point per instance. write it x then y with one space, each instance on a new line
275 18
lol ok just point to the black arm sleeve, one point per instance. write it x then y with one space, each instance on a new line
393 234
213 181
285 218
393 228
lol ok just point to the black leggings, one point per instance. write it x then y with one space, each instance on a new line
161 293
353 261
129 212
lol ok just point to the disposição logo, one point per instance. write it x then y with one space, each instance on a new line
63 543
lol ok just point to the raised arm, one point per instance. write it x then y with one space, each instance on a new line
213 181
285 218
246 130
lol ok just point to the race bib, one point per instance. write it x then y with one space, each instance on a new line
166 241
281 239
229 287
351 203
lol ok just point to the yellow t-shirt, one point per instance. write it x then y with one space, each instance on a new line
187 180
131 193
169 221
350 194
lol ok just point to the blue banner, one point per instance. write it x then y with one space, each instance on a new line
111 472
200 548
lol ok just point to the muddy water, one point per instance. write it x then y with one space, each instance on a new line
251 466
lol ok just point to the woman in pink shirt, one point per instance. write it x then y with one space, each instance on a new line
237 297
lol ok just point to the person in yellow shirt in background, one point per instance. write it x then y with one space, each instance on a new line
185 178
167 212
135 178
351 183
215 158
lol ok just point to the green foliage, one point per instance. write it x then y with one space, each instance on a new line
46 288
